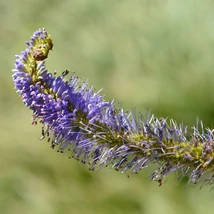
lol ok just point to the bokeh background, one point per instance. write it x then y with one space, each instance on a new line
153 55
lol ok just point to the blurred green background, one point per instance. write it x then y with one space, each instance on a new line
150 54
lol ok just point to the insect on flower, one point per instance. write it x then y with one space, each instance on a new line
38 55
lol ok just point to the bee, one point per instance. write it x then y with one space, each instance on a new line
38 55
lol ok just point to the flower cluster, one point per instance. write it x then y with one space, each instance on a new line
77 120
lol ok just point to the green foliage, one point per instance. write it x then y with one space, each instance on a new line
154 55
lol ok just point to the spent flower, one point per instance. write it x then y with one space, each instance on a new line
77 120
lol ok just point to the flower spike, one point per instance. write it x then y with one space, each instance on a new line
77 120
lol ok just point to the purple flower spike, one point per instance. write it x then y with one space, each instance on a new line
77 120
